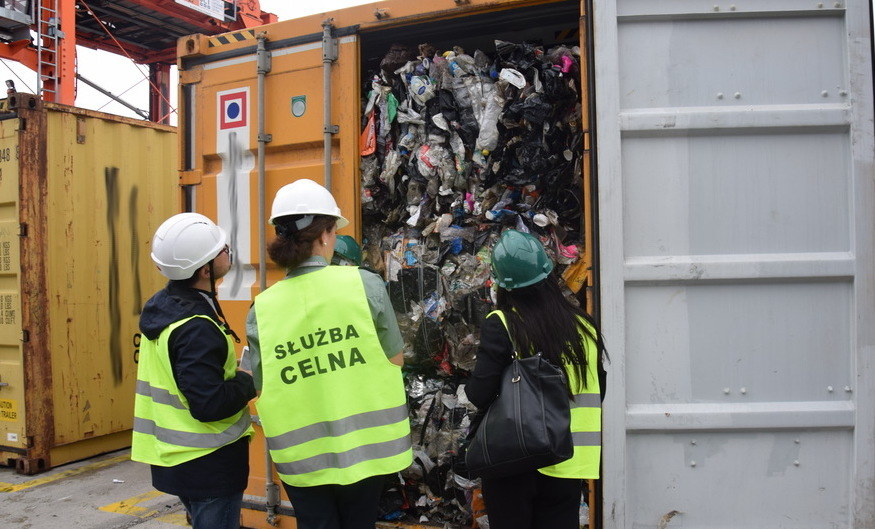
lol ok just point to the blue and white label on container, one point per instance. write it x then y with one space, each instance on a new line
233 183
233 108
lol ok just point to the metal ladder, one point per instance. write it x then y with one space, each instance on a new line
47 42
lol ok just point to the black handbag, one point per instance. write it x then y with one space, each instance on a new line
527 426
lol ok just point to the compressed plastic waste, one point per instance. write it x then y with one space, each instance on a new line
456 147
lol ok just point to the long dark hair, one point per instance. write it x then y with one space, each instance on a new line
542 320
292 246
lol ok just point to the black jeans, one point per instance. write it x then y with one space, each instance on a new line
532 501
353 506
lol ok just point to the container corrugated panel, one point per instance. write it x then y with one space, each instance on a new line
735 149
80 195
12 388
219 136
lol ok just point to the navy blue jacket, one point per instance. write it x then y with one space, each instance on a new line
198 350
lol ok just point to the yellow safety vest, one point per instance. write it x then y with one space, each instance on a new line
165 434
586 414
333 407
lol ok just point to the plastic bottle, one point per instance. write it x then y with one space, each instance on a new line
457 146
426 162
481 63
583 512
464 65
513 77
488 137
390 167
407 141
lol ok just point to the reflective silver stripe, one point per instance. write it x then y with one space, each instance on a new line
159 395
346 459
587 400
194 440
338 427
586 438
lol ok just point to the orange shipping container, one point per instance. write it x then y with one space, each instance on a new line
292 102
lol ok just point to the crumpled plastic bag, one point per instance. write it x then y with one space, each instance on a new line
397 56
368 141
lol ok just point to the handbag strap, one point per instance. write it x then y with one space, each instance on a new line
498 312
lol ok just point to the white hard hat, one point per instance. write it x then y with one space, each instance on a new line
184 243
305 197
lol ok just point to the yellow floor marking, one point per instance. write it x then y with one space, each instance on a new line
130 506
176 518
11 487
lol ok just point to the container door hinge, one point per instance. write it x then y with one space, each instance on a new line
263 57
265 138
331 129
25 335
329 43
22 229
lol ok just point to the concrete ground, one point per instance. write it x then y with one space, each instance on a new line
105 492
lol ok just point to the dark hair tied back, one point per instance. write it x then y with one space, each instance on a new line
293 246
288 225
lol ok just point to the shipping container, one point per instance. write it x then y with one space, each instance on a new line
735 147
81 193
727 166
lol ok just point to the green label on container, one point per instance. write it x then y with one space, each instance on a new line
299 105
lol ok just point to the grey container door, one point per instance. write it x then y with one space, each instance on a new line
735 174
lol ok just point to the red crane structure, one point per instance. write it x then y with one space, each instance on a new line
43 34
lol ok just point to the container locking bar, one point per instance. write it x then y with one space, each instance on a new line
329 57
263 67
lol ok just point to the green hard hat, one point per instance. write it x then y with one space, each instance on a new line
519 260
346 247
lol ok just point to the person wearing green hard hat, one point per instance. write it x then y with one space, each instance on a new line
532 313
346 252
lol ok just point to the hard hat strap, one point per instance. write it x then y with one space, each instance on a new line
218 306
286 226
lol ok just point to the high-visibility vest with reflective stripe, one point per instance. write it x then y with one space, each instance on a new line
165 433
333 407
586 414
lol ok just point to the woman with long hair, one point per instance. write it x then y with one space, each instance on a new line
326 354
533 316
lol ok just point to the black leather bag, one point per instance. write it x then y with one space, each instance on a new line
528 426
